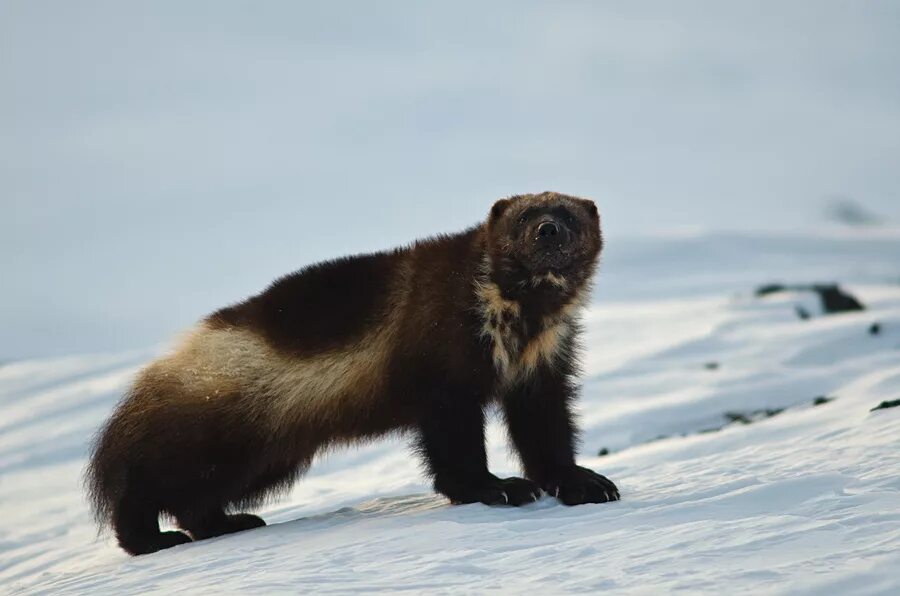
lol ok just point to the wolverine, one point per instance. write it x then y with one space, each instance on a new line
419 340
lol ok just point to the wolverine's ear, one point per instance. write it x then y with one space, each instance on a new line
591 207
499 208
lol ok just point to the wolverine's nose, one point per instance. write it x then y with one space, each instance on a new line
547 229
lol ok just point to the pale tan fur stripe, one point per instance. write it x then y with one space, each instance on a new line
504 344
511 360
287 390
544 347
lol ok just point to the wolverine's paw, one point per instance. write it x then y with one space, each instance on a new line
217 523
494 491
238 522
519 491
579 485
144 545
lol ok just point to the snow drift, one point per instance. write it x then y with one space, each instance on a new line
741 435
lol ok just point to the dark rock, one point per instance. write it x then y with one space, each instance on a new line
711 366
835 300
850 212
737 417
754 416
766 289
886 404
875 328
802 312
749 417
603 452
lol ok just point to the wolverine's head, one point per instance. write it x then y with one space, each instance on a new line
544 239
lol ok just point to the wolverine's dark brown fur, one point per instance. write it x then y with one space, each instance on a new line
417 339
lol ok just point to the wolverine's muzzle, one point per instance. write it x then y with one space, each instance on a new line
551 244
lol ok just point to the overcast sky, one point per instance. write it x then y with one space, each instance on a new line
160 159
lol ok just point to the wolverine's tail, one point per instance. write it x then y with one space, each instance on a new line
105 476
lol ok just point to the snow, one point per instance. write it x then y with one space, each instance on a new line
803 502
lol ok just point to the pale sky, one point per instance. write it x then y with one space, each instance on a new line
158 160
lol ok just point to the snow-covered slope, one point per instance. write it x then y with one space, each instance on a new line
801 500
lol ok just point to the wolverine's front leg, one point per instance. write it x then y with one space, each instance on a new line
542 428
452 441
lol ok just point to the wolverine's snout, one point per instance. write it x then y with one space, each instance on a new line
552 242
548 229
551 234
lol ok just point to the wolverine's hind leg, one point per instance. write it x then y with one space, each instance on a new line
136 523
215 522
207 518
